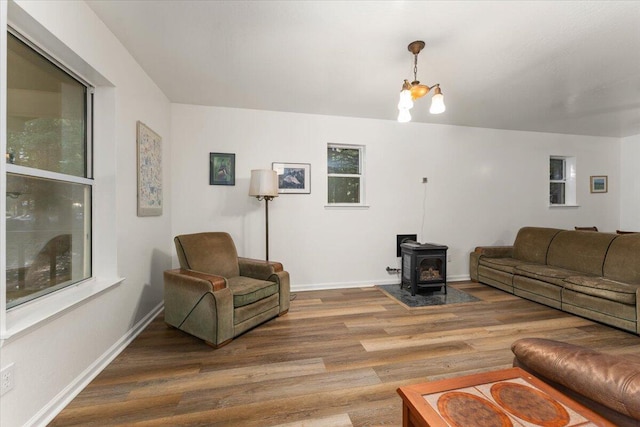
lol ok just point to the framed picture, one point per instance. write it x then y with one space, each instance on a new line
293 178
222 169
599 184
149 156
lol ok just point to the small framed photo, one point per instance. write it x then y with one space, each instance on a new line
293 178
599 184
222 169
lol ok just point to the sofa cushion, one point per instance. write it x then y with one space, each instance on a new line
503 264
581 251
247 290
532 243
545 273
613 313
499 279
602 288
623 259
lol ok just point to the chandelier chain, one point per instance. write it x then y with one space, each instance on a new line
415 67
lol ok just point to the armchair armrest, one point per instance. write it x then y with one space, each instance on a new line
495 251
200 304
258 269
195 278
183 289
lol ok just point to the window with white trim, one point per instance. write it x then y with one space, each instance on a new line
345 174
48 174
562 181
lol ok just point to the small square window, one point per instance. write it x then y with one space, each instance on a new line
345 174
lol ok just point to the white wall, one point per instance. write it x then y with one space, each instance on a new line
53 360
483 185
630 183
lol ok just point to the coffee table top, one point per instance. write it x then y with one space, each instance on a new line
508 397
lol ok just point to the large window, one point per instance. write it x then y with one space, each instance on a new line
49 177
345 171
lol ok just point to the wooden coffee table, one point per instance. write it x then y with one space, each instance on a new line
509 397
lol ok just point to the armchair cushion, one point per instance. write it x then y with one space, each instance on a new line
247 290
213 253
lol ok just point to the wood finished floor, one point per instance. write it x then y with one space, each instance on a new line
336 359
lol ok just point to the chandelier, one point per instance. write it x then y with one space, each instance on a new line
414 90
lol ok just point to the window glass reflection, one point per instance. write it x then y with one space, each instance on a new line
48 236
46 110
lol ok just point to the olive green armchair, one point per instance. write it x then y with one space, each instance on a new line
216 295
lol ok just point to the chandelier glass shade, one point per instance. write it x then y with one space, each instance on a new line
437 102
414 90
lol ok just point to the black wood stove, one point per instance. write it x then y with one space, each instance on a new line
424 265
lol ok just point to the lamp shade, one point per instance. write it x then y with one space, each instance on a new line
264 182
437 102
404 116
405 102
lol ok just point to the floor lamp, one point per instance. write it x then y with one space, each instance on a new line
264 186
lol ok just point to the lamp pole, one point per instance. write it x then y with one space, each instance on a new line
266 216
264 186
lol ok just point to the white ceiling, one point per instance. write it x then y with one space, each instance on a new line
567 67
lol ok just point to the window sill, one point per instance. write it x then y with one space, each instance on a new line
33 314
346 206
564 206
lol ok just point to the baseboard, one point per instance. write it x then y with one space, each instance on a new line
346 285
62 399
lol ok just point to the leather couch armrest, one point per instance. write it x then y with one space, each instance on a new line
258 269
495 251
609 380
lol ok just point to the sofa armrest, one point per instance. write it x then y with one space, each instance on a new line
494 251
258 269
609 380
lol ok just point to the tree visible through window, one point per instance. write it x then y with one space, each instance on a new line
345 174
49 185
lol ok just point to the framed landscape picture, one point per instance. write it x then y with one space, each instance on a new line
222 169
599 184
149 155
293 178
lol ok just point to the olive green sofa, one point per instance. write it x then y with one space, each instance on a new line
216 295
594 275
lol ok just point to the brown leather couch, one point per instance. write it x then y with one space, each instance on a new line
607 384
594 275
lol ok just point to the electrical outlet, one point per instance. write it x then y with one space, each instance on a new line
7 377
